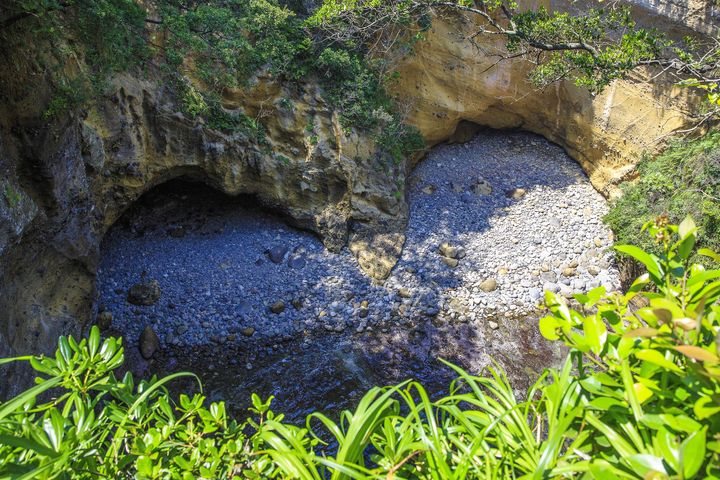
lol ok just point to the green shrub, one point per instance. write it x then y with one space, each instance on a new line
683 180
637 397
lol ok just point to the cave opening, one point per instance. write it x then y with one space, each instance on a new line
254 305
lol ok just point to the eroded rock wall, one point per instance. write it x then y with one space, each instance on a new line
449 78
67 178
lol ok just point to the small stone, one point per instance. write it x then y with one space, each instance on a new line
568 272
248 331
144 294
488 285
482 187
104 320
363 312
493 325
404 292
277 253
181 329
231 337
516 193
593 270
277 307
429 189
598 242
587 212
149 342
297 303
457 187
448 250
535 294
450 262
297 262
364 304
573 264
502 271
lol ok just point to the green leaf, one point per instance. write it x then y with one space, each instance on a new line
687 227
30 394
27 444
94 340
548 327
705 407
595 333
644 464
656 357
692 453
706 252
653 267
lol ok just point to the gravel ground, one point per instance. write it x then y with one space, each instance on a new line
515 213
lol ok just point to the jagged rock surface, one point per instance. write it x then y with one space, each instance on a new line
66 179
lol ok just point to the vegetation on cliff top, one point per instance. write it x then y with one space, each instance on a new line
635 398
683 179
348 45
202 48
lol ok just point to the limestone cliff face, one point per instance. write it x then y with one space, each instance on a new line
66 179
448 79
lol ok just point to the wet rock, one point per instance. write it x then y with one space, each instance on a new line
489 285
149 342
144 294
104 320
277 253
277 307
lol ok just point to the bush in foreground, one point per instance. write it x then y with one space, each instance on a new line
637 397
